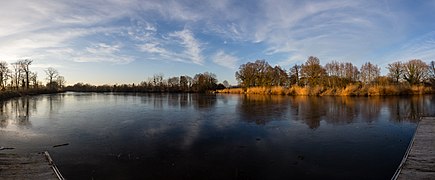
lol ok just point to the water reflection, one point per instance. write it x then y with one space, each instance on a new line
17 112
258 109
195 136
262 109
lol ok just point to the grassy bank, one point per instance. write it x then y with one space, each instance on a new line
9 94
350 90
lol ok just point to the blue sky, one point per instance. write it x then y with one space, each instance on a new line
122 41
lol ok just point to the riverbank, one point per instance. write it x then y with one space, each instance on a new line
350 90
9 94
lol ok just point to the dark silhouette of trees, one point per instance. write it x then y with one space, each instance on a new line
174 84
34 79
24 66
4 74
203 82
16 75
51 76
185 83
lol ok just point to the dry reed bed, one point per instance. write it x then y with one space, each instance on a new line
350 90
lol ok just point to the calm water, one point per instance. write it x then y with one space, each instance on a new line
191 136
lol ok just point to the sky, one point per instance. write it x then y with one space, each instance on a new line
128 41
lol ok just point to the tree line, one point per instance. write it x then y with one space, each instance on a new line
18 77
335 74
201 82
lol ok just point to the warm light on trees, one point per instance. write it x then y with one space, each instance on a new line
312 72
369 72
395 71
415 71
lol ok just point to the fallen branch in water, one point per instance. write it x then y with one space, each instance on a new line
59 145
6 148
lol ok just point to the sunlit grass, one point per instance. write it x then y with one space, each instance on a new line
349 90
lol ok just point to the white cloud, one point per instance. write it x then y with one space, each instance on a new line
179 46
225 60
83 31
192 46
104 48
102 52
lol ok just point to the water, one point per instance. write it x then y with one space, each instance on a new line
192 136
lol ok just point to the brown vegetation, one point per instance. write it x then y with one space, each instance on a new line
350 90
335 79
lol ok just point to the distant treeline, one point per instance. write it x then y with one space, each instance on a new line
336 78
202 82
310 78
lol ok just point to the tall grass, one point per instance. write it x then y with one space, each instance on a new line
349 90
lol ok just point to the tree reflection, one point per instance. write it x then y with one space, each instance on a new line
411 108
309 109
4 116
370 108
20 109
262 109
55 103
204 101
340 110
333 110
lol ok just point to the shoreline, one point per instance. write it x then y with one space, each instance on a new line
351 90
10 94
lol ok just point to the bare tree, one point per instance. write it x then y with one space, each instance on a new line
333 69
24 65
295 74
369 72
60 81
174 83
34 79
16 75
351 72
4 71
432 73
51 76
415 71
185 83
395 71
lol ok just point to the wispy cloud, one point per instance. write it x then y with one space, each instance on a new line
421 47
103 52
175 46
192 46
194 32
225 60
